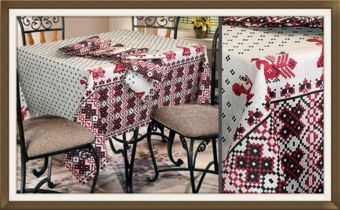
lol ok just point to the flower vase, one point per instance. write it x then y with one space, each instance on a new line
200 34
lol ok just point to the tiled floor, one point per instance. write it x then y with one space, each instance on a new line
111 178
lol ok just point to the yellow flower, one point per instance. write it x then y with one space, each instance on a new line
200 22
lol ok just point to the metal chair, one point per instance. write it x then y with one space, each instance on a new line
154 23
40 24
193 122
45 136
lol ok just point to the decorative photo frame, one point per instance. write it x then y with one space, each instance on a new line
193 201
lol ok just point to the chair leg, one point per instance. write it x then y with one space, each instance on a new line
126 161
191 165
132 161
42 170
170 142
23 175
96 160
190 160
128 164
161 128
214 148
149 131
47 164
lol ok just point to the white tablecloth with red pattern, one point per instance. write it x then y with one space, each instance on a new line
106 97
272 110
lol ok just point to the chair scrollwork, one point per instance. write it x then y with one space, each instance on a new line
156 22
32 24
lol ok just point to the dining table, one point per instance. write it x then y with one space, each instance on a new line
112 96
272 106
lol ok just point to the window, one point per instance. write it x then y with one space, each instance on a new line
186 25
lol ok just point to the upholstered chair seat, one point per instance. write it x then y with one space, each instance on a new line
48 134
192 120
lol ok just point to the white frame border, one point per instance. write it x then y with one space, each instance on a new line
13 196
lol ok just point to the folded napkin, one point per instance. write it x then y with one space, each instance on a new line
108 51
83 48
145 56
142 87
124 54
84 51
94 47
85 43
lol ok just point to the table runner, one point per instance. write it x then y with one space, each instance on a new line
100 94
272 110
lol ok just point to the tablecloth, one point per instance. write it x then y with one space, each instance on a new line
101 94
272 109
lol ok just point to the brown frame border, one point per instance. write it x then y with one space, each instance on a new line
334 5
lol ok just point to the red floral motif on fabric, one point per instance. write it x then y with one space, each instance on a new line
305 86
84 82
271 93
140 94
97 72
199 48
240 89
186 51
254 117
267 103
239 133
273 68
24 112
119 67
170 55
319 82
287 91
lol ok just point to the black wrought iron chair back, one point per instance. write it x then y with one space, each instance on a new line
35 146
141 23
197 123
40 24
214 69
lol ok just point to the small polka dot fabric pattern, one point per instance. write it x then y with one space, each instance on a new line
272 109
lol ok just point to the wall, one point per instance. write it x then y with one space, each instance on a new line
82 26
120 23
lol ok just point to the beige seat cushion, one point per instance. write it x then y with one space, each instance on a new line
189 120
47 134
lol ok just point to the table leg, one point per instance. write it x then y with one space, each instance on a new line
128 162
49 173
133 155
